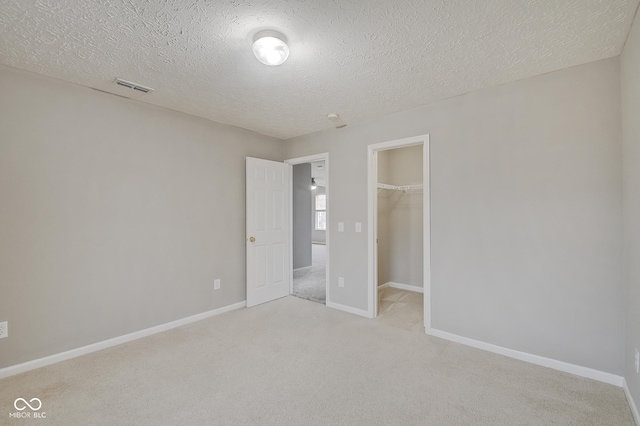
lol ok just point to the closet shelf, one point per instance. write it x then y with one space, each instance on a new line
403 188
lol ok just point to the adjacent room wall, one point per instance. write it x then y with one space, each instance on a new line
115 216
302 215
631 196
526 201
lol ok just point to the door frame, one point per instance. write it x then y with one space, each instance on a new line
372 179
301 160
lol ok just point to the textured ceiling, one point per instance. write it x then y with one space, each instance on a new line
358 58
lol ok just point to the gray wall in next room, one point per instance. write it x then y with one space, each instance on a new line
302 215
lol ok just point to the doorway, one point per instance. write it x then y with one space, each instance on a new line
399 232
309 230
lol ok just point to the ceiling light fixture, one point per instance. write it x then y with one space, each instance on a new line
270 48
313 184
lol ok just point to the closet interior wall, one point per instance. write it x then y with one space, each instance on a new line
400 248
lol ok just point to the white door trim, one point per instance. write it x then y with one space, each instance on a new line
309 159
372 178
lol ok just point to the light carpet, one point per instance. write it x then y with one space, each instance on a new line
401 308
293 362
310 283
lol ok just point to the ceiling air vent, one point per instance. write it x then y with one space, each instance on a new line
134 86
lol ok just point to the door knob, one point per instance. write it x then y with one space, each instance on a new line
253 240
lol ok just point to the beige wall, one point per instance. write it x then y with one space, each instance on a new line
383 219
631 154
526 201
400 222
115 216
405 165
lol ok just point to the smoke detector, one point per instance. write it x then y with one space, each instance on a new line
134 86
336 120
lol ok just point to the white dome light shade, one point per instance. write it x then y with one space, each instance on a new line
270 48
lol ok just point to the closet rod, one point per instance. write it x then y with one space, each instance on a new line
403 188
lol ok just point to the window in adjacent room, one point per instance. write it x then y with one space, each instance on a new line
321 212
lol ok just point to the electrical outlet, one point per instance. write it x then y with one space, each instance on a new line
4 329
340 282
637 361
216 284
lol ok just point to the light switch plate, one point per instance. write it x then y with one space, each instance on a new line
4 329
340 226
358 226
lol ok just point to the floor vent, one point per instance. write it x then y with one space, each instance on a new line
134 86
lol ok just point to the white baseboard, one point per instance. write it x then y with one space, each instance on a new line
632 404
303 268
322 243
348 309
402 287
578 370
73 353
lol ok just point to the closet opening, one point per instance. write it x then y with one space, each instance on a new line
309 242
399 237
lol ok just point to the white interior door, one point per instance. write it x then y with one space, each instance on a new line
268 242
